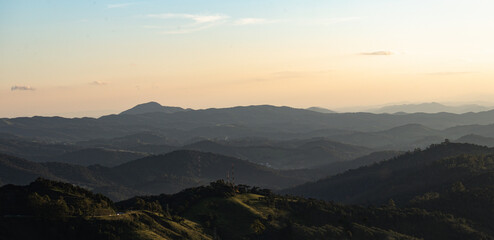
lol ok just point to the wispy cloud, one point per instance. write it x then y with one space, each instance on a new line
199 22
254 21
98 83
22 88
119 5
195 17
378 53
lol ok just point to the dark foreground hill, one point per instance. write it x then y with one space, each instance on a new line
331 169
218 211
452 171
177 170
53 210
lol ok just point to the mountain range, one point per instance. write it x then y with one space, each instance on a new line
432 107
256 172
238 122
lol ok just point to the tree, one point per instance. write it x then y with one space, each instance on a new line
391 203
257 227
458 187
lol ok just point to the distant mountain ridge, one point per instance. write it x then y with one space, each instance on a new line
295 154
432 107
101 156
476 139
237 122
320 109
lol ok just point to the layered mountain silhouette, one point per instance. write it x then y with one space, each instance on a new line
167 173
294 154
290 154
207 174
476 139
432 107
94 156
263 121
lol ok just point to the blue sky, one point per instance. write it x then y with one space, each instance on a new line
104 56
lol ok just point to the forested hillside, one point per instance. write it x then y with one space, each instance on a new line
217 211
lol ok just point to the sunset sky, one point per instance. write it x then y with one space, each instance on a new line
89 58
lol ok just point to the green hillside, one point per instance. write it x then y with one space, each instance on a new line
54 210
216 211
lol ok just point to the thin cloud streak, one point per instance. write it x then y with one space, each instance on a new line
98 83
199 22
378 53
195 17
188 29
22 88
202 21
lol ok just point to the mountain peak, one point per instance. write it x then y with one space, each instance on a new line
151 107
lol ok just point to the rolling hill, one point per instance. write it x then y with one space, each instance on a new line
101 156
56 210
476 139
167 173
293 154
32 149
400 178
181 169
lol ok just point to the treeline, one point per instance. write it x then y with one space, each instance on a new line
49 199
289 217
221 210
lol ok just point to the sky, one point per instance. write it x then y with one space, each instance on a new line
90 58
